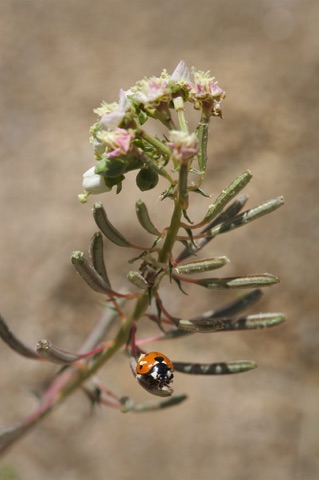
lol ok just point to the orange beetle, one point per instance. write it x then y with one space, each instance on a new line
156 367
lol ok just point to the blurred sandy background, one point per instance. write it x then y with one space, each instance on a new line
59 60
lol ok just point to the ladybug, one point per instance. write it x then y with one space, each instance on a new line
156 368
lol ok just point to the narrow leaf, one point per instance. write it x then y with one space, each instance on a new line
253 322
14 343
54 354
200 266
107 228
185 215
174 333
199 325
249 281
248 216
89 274
205 324
244 301
199 190
226 196
144 218
137 279
190 235
231 211
97 256
221 368
202 134
130 406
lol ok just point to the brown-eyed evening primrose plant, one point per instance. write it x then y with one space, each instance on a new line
122 146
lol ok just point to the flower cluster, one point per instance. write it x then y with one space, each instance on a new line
120 143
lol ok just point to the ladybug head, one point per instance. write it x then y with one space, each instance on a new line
161 373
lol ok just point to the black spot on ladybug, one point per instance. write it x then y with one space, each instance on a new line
159 359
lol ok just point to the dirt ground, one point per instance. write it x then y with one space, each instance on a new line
59 60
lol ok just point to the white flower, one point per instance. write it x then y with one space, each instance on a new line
94 183
114 113
184 145
181 73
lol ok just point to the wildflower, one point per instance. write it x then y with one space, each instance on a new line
151 91
113 115
94 183
156 90
206 92
181 73
116 143
183 145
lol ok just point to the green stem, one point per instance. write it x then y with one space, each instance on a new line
202 133
172 233
180 109
69 380
156 143
120 340
183 185
159 169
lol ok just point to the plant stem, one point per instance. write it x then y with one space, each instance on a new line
180 109
172 232
202 134
156 143
121 339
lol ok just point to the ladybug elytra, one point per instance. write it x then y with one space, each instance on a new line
155 367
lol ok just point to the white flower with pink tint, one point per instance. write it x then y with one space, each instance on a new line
117 142
113 114
94 183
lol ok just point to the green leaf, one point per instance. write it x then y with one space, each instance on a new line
253 322
199 325
144 218
107 228
226 196
142 117
14 343
221 368
225 215
244 301
206 323
248 281
248 216
130 406
97 256
89 274
55 354
200 266
137 279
